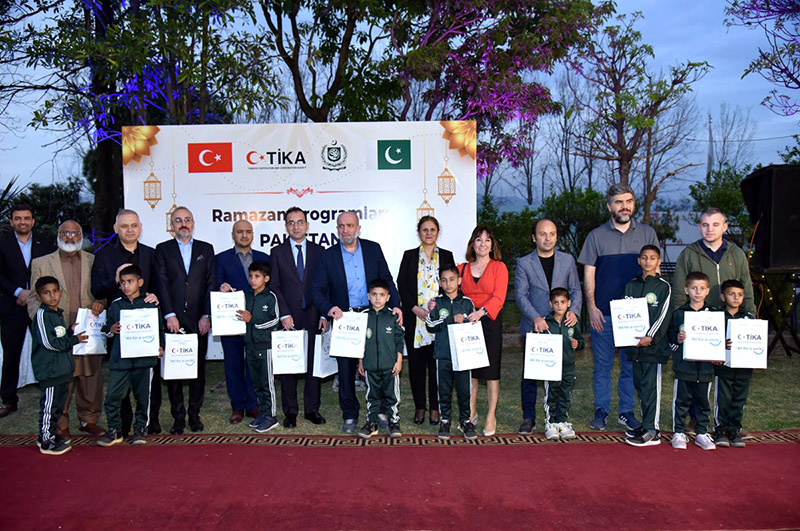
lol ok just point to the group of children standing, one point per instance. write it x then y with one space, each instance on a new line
53 363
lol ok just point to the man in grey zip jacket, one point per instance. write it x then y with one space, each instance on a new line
721 260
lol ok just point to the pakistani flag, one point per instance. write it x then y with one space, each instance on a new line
394 154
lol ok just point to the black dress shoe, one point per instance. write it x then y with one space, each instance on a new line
290 421
196 425
419 416
434 417
178 427
315 418
6 410
154 428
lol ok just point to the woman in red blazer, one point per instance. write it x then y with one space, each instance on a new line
485 281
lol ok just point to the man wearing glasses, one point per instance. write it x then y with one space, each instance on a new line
72 266
293 265
187 274
232 275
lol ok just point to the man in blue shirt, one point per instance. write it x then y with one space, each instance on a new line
609 256
340 284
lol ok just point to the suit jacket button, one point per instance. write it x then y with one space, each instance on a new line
185 283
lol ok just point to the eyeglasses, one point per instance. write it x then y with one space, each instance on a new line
298 222
184 221
69 233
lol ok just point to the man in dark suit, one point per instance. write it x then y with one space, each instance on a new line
293 265
108 262
18 247
232 275
340 283
538 273
186 275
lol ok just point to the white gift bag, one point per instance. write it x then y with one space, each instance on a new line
324 364
138 333
289 352
224 308
90 324
180 357
630 319
705 336
467 346
748 344
349 335
544 358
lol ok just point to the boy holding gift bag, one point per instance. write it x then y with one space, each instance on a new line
558 395
731 385
692 378
652 351
126 373
262 317
451 308
382 362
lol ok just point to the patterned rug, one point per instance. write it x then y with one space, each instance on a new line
345 441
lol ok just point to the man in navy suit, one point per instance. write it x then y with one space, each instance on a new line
232 275
340 283
293 265
127 250
187 275
538 273
18 247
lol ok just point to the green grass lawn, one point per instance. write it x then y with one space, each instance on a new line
774 401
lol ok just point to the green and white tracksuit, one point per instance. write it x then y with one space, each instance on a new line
446 378
53 365
731 387
129 373
384 342
692 378
647 361
265 315
558 395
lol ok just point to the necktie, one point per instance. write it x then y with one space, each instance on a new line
301 270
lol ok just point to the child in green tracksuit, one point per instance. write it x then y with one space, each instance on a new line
127 373
382 361
692 378
558 395
451 308
652 351
262 315
53 364
731 386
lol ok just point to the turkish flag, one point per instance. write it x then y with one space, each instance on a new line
211 157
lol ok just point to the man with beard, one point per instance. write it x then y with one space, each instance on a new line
72 267
609 256
232 275
186 276
340 283
17 248
108 262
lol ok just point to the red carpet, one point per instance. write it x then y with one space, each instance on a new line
465 487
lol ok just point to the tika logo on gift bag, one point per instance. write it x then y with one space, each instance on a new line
210 157
187 354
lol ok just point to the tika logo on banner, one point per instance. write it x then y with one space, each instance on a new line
211 157
394 154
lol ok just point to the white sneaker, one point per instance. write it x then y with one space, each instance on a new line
565 431
679 441
551 432
705 442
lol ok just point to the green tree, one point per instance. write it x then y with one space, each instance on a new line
791 154
723 191
55 203
575 214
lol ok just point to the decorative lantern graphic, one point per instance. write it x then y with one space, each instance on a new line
152 189
447 183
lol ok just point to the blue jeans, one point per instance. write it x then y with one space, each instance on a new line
237 375
603 353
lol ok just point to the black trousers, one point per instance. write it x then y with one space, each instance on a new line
311 391
12 335
156 397
421 365
197 387
348 400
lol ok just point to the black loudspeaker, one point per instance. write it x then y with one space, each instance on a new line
772 197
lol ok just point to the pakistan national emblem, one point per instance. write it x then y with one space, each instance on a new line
334 156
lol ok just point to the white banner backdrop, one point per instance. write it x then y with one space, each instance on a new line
390 173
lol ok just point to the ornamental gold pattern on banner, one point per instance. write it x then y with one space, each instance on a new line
137 141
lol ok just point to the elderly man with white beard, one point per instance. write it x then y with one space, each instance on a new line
72 266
